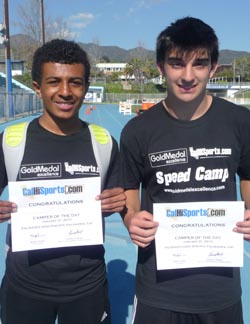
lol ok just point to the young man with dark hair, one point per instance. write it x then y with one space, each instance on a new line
187 119
64 283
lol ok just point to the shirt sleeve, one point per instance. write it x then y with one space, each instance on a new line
112 178
132 158
244 165
3 174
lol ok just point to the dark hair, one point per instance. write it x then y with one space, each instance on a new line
59 51
186 35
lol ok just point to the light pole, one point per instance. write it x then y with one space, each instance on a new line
42 21
9 101
239 80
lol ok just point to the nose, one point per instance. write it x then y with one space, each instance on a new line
188 74
64 89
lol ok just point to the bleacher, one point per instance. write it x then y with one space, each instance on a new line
16 85
23 98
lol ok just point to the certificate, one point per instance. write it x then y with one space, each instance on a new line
55 213
198 234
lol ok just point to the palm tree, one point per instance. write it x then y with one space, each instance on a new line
135 69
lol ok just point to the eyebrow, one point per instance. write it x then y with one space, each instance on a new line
69 79
180 59
205 60
174 59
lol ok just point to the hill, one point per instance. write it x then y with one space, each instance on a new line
113 53
117 54
228 56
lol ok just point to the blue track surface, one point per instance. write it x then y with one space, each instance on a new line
120 252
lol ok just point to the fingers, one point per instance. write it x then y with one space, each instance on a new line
141 227
116 207
114 204
144 237
112 200
6 208
243 228
111 193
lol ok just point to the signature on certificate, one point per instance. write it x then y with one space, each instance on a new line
75 232
215 254
178 255
36 235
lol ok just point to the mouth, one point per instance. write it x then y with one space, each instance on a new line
65 106
187 88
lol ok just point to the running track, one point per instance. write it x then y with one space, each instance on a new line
120 252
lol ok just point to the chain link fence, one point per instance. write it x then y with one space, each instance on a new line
18 104
134 98
25 103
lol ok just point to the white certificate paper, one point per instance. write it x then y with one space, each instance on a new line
198 234
56 213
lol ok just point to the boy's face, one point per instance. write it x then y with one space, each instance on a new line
62 89
187 74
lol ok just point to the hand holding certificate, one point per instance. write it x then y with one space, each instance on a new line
56 213
198 235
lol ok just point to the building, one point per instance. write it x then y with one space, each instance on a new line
94 94
109 68
17 67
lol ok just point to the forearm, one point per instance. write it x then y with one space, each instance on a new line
245 192
132 204
243 226
139 223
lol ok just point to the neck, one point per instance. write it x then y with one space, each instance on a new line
187 111
60 127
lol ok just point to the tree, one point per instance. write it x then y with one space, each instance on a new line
30 22
25 79
105 59
242 68
150 69
141 70
134 68
94 54
226 75
59 28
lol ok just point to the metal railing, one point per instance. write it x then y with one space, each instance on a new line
134 98
29 103
23 104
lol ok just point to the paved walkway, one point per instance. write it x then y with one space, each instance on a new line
120 252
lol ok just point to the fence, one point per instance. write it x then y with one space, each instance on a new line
28 103
240 101
134 98
23 103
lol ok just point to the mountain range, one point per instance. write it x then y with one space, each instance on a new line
117 54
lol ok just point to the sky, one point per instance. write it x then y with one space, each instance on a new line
131 23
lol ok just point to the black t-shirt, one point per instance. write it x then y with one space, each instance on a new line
186 161
58 274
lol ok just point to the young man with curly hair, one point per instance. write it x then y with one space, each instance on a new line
65 283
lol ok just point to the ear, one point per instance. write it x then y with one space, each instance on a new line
161 68
86 88
37 88
213 70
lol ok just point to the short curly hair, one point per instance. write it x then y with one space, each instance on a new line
59 51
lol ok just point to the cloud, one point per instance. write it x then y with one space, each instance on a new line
145 4
81 20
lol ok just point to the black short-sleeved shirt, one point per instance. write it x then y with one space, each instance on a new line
59 274
186 161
